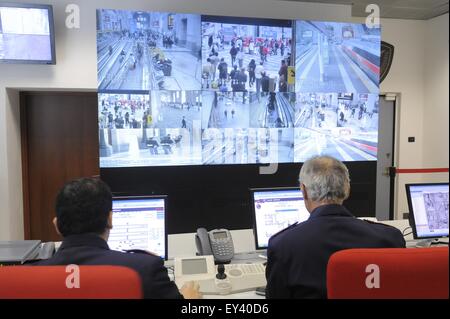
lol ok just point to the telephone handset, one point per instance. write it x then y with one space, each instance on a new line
217 242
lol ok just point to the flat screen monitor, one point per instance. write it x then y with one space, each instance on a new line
179 89
139 223
428 209
26 33
274 209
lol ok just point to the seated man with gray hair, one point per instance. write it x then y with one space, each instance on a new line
297 257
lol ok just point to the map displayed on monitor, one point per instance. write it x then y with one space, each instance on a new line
26 33
429 207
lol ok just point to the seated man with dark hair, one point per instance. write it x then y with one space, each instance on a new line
84 219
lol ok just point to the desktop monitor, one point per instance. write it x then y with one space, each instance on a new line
26 33
139 223
428 209
274 209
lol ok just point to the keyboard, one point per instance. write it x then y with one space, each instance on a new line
245 269
250 256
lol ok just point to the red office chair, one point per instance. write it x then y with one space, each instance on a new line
404 273
51 282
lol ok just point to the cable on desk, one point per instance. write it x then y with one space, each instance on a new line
404 235
171 269
439 242
403 232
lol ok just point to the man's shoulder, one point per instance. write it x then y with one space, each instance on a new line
138 258
285 230
293 233
95 256
382 226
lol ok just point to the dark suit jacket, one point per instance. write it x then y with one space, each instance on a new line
297 257
90 249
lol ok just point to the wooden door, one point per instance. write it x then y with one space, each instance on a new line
59 143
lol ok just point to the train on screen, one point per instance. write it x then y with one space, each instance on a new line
364 52
370 147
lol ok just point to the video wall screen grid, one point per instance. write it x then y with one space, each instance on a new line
183 89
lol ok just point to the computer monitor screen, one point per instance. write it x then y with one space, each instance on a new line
275 209
139 223
26 33
428 207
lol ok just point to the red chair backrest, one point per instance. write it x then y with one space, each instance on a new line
404 273
60 282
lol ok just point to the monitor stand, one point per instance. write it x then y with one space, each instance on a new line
425 243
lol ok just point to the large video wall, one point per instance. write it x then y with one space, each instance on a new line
185 89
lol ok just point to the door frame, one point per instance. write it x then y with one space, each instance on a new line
25 173
395 98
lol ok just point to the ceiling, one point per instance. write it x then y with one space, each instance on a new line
397 9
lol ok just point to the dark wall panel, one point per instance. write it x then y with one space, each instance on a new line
218 196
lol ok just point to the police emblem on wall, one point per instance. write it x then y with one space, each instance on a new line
387 55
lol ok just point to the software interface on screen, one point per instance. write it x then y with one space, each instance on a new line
430 209
139 224
25 34
276 210
188 89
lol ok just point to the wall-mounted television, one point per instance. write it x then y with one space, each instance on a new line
27 33
182 113
181 89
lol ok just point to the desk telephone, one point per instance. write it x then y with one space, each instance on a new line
218 279
217 242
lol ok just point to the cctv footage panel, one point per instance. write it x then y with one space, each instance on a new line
343 125
337 57
161 128
139 50
182 89
249 55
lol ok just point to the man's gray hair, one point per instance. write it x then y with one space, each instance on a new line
326 179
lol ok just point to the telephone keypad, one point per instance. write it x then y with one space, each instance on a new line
221 249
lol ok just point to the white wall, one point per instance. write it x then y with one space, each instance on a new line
406 78
420 74
436 102
76 69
